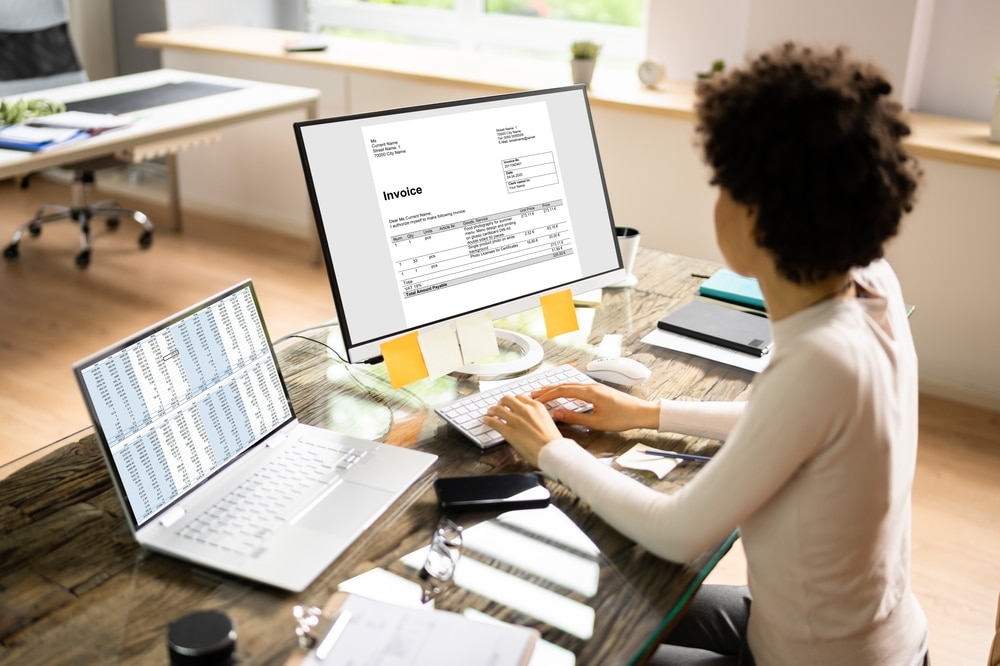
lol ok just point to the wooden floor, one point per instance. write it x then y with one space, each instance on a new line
52 314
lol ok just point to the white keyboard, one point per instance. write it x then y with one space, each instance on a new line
466 413
246 517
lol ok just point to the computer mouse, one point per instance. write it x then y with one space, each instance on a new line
618 370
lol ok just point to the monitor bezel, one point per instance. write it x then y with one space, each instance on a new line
369 351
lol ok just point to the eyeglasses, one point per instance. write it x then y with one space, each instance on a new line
442 556
310 625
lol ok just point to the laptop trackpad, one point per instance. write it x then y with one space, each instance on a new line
347 510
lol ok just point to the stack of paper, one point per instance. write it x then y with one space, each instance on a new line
27 137
94 123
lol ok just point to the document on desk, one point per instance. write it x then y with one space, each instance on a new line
681 343
377 633
34 139
94 123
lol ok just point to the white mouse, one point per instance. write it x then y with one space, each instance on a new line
623 371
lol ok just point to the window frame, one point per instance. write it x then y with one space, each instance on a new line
478 30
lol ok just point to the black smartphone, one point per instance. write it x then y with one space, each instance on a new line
492 492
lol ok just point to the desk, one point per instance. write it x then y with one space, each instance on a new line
76 588
162 129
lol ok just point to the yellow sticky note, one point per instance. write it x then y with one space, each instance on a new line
403 360
559 313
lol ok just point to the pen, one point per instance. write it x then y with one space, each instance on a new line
675 454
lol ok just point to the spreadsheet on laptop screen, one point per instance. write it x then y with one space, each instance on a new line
176 403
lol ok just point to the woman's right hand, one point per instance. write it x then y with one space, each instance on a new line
613 410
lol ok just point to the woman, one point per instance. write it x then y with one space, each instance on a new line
817 467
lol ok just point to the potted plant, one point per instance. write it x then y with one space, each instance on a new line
585 54
713 69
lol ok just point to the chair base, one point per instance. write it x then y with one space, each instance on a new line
82 213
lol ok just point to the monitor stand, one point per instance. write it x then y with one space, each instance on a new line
531 355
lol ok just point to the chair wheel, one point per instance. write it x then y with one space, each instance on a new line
112 223
83 259
10 252
34 230
146 239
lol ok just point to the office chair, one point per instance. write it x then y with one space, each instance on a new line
36 52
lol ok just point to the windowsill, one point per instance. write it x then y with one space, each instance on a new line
937 137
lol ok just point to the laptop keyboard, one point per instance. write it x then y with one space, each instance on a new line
304 471
467 413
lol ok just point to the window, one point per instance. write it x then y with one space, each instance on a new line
542 26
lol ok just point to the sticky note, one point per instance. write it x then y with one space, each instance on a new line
476 337
636 458
559 313
440 350
403 360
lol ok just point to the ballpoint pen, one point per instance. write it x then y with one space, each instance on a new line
675 454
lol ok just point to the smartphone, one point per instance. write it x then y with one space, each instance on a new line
492 492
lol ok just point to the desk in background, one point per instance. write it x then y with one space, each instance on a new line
161 131
77 589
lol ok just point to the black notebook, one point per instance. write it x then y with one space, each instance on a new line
720 325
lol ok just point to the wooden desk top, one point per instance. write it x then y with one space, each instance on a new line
77 589
938 137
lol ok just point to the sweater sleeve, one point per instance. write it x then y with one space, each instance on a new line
629 505
768 440
713 420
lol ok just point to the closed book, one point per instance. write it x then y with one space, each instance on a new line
720 325
731 287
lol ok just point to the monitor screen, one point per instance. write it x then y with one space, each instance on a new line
427 214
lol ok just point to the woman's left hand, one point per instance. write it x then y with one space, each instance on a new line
525 423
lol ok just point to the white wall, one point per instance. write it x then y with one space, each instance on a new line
92 31
889 32
963 55
686 36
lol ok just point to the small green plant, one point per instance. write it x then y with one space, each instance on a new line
19 110
716 67
585 49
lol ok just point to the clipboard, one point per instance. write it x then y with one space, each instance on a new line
363 627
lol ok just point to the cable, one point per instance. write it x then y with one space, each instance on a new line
354 377
293 334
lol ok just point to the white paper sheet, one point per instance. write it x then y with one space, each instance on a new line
667 340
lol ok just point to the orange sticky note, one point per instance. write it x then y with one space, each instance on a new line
559 313
403 360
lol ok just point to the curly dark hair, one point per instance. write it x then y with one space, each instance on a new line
813 141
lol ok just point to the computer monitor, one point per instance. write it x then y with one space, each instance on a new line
431 213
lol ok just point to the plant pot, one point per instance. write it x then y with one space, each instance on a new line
583 70
995 125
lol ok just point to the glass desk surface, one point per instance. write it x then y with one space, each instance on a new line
76 587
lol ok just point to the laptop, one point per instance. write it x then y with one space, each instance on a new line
210 463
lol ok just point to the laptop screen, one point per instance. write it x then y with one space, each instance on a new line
178 401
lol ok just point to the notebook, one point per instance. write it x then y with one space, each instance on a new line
732 287
210 463
720 325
